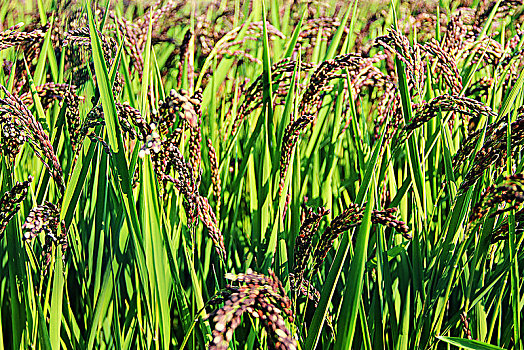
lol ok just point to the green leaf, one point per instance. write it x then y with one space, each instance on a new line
328 288
469 343
103 81
333 45
353 292
55 320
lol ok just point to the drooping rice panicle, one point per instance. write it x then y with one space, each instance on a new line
352 217
230 39
397 43
125 112
195 139
15 112
78 42
12 37
10 202
457 33
503 197
65 94
178 103
309 105
505 7
303 243
166 157
215 175
183 52
305 288
446 66
494 149
82 38
135 32
501 232
313 29
448 103
282 72
45 220
464 319
263 298
29 42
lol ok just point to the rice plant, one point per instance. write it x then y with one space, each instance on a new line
261 174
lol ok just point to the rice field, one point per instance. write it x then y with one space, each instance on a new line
267 174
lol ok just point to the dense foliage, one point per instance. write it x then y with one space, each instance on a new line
284 175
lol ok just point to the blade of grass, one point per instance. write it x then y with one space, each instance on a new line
469 344
353 292
340 257
55 320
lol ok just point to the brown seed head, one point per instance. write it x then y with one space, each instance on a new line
10 202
